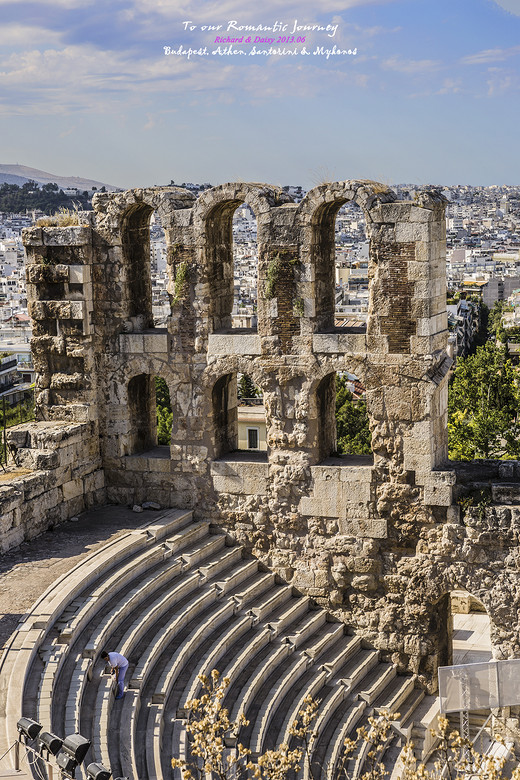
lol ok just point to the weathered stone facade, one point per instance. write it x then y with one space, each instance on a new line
380 539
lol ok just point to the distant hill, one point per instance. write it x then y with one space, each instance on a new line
9 178
19 174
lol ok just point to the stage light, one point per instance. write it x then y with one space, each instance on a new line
98 772
76 746
66 763
50 742
28 728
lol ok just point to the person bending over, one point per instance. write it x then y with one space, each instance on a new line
119 666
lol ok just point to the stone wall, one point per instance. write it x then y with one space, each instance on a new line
55 474
379 539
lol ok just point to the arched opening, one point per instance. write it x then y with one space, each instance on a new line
141 406
343 429
150 415
163 411
462 625
239 418
341 250
245 269
326 406
350 268
161 308
224 400
252 427
233 266
135 235
352 429
470 629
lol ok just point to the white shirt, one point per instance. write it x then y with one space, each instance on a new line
117 661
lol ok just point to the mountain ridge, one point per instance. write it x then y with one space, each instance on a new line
19 174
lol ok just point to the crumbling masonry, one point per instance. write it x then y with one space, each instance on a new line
379 540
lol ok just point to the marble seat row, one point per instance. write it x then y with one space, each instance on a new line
178 599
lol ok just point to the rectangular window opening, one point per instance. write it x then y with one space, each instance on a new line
253 438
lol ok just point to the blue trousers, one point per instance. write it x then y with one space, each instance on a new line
121 671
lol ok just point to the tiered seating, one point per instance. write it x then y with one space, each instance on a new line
177 600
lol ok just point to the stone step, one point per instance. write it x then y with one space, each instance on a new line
258 677
289 614
212 659
375 681
130 602
286 681
346 726
182 655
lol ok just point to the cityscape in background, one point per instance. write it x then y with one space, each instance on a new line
483 266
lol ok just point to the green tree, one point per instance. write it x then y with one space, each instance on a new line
495 327
353 433
483 406
247 388
164 411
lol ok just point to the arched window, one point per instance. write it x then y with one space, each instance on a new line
135 234
343 428
150 413
233 264
239 417
350 268
161 308
245 269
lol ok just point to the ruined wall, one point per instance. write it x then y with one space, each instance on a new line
379 539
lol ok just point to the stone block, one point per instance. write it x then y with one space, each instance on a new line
406 232
155 343
32 236
437 495
66 236
94 482
77 310
234 344
339 343
132 343
369 528
78 274
72 489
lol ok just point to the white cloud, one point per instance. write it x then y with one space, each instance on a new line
213 11
490 55
410 66
513 6
80 77
17 34
50 3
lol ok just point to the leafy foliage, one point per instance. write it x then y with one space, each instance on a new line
211 733
273 272
181 278
483 406
353 433
495 327
210 729
246 388
47 198
164 411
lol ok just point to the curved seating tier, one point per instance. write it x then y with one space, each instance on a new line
178 599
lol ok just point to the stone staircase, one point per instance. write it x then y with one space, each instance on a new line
179 599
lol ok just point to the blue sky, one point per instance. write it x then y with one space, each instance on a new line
432 95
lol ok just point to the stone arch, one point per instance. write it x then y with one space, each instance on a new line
131 414
317 213
213 216
427 606
124 220
221 380
321 397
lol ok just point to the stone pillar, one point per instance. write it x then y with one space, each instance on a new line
60 293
